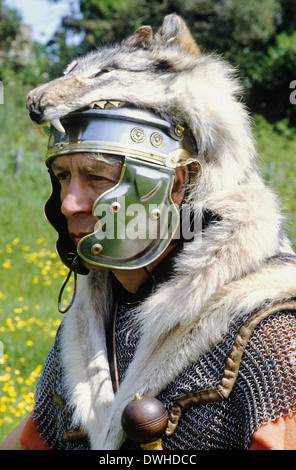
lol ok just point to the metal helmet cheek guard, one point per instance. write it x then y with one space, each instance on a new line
136 218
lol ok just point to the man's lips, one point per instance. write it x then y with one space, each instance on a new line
76 237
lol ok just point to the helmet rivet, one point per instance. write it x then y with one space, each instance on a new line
96 249
156 139
171 161
155 214
137 135
115 207
179 130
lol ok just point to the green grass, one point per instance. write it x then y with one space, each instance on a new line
31 276
276 146
31 273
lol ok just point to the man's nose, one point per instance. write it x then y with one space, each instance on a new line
76 200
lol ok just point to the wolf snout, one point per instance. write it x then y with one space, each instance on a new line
36 115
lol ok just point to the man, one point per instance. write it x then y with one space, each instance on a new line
190 300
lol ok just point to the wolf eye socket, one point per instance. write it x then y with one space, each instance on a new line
101 72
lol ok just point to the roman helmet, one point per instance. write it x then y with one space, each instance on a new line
136 219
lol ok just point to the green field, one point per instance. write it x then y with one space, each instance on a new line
31 273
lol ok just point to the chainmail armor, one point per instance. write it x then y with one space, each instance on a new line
265 388
126 339
52 419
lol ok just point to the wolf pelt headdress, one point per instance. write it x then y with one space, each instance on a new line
245 260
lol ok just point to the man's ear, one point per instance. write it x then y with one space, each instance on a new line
179 186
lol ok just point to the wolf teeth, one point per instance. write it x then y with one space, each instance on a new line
99 104
57 124
103 104
116 104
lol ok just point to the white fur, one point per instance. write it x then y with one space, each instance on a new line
172 338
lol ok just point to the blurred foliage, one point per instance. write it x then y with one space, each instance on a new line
9 26
271 76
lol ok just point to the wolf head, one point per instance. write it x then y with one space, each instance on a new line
112 72
168 74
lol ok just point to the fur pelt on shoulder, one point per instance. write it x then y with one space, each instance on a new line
244 260
179 322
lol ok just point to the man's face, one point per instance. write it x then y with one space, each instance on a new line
83 179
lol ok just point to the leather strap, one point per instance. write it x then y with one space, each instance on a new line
111 350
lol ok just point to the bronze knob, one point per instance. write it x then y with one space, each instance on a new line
144 419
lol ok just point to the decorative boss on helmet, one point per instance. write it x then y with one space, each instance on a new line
150 149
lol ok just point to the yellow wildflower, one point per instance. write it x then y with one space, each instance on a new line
7 264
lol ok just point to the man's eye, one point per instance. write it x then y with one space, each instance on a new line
99 178
62 176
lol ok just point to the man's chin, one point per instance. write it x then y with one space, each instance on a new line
93 267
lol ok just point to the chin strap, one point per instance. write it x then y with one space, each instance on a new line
73 269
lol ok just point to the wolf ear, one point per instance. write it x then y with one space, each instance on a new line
175 31
141 39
